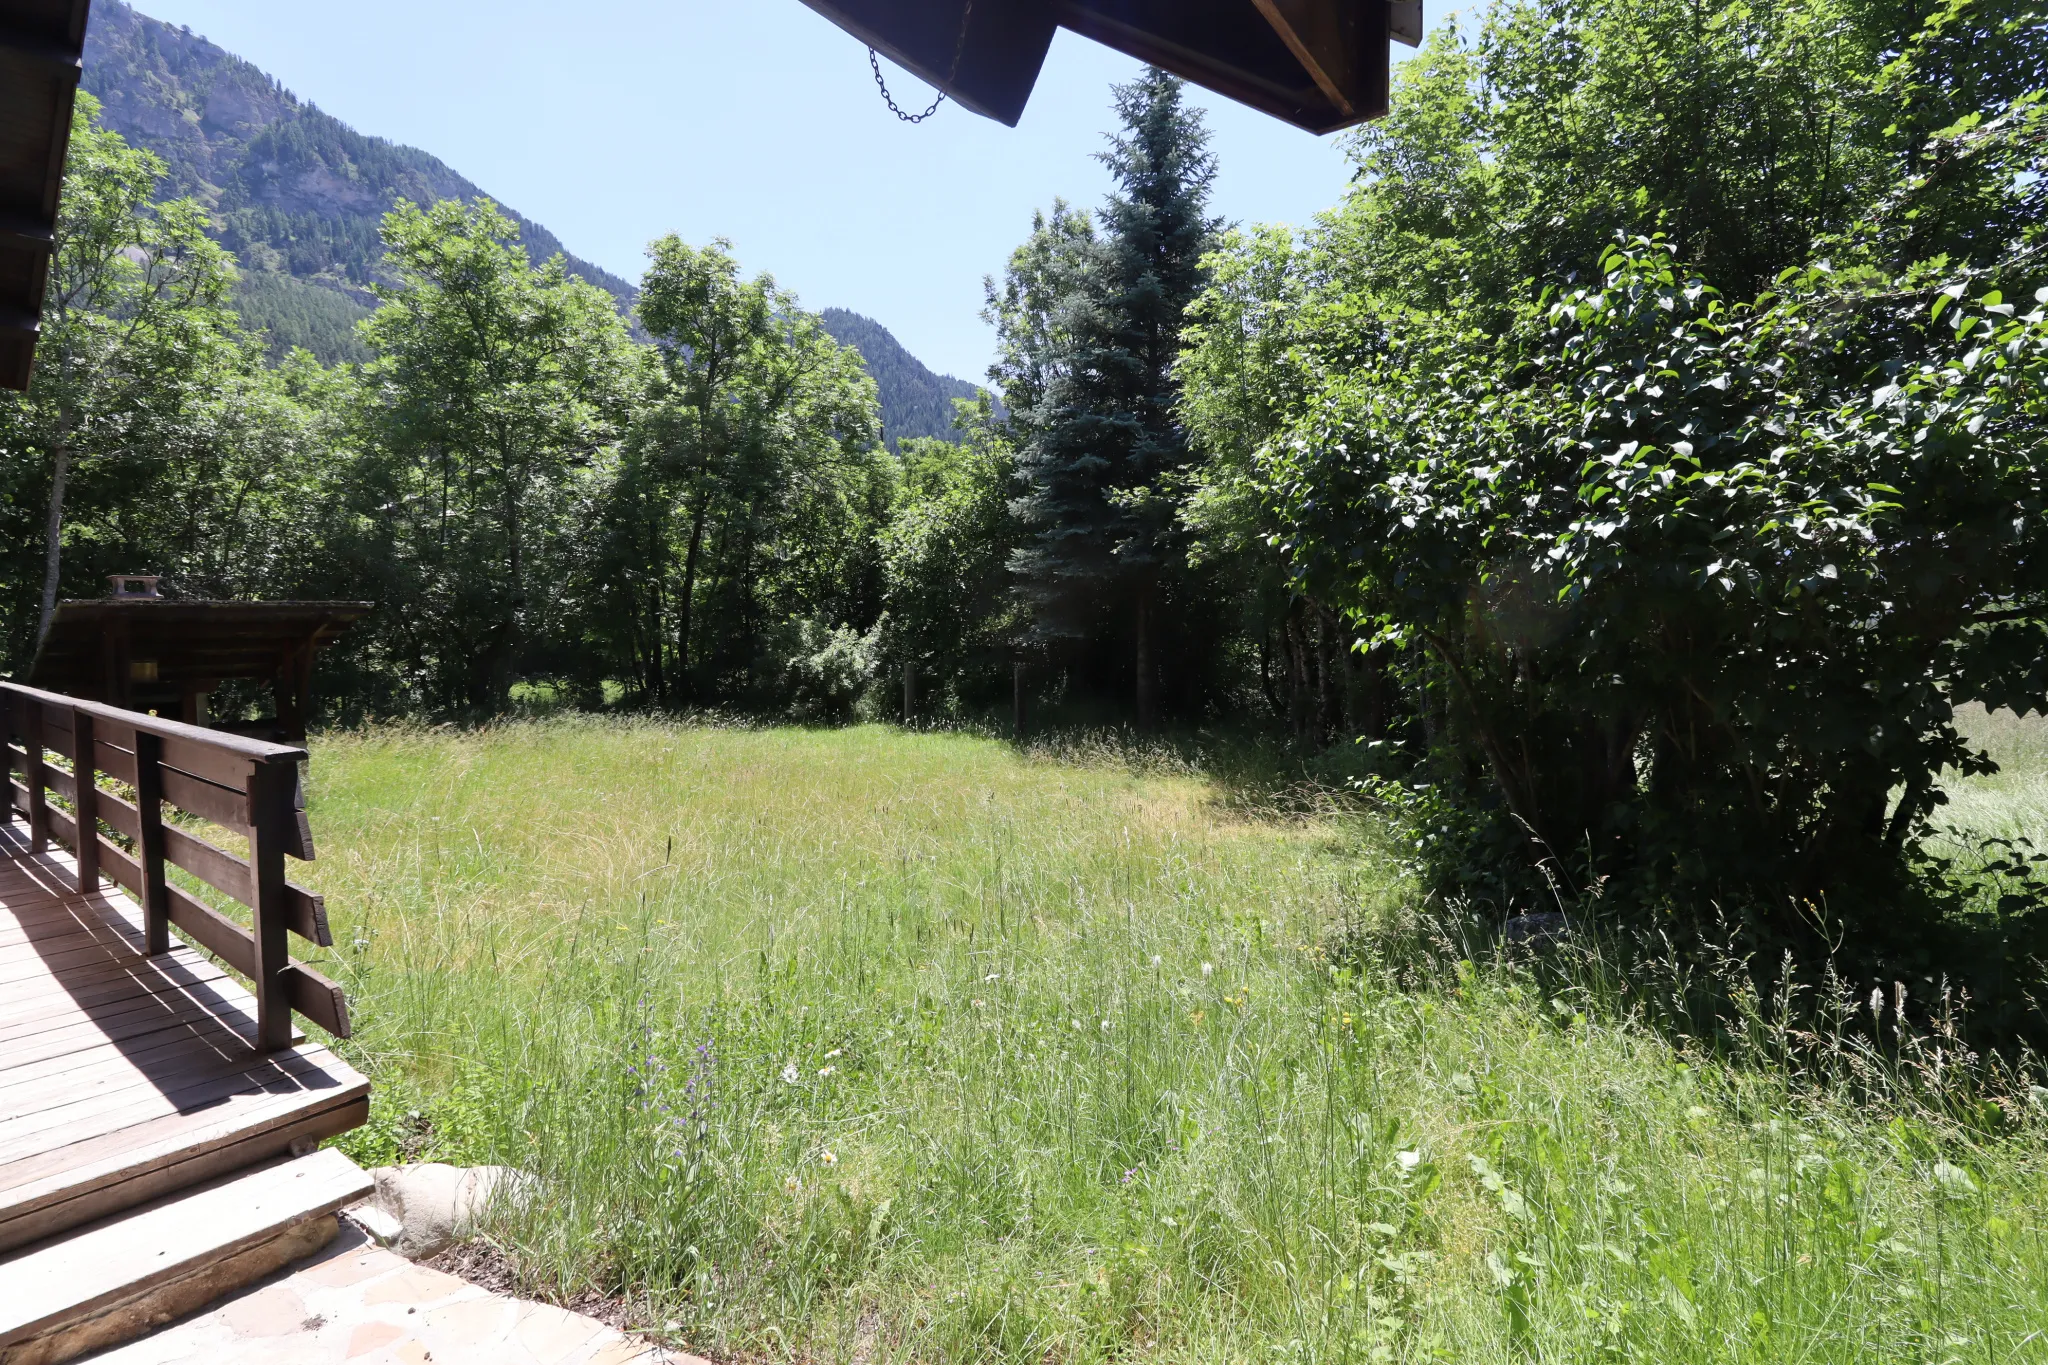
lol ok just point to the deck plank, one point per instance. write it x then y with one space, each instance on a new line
123 1076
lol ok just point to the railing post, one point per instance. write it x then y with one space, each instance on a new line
149 850
85 801
10 707
38 803
271 825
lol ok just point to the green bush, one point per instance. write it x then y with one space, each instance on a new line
1700 584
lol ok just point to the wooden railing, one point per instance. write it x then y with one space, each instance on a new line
243 785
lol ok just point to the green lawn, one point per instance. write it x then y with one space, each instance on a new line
859 1045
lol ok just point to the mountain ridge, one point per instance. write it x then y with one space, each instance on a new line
299 197
916 400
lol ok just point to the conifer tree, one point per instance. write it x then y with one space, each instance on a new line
1104 566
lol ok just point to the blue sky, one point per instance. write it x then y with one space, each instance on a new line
615 121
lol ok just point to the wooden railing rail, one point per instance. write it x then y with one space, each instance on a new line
243 785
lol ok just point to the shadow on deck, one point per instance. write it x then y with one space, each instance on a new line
124 1076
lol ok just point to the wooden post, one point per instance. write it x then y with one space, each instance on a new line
271 817
192 703
294 689
115 647
10 707
38 800
85 801
149 802
909 691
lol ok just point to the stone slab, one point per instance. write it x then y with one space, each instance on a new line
358 1304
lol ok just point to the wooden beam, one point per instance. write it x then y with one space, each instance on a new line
1311 33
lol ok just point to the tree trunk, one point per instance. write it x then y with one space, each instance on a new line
1148 681
1295 646
53 549
1017 698
909 691
657 573
505 658
687 599
1266 671
1329 696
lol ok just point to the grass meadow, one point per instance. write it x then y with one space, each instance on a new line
869 1046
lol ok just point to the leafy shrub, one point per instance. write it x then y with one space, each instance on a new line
1700 585
822 671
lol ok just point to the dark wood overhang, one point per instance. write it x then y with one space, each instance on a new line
1318 64
165 655
40 45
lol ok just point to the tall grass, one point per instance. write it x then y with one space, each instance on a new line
868 1046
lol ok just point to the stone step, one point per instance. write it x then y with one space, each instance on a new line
129 1274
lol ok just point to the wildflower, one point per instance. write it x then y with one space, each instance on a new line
834 1053
1155 959
829 1157
979 1003
1198 1016
824 1071
1130 1175
1105 1026
790 1074
992 976
791 1184
1208 969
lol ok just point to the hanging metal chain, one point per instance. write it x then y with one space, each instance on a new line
959 46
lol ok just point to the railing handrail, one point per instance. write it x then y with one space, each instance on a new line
255 750
246 785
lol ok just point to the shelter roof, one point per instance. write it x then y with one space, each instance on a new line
1318 64
195 642
40 46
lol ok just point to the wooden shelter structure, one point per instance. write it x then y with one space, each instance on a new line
142 652
41 44
1318 64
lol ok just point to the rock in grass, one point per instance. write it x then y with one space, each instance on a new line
419 1211
1537 929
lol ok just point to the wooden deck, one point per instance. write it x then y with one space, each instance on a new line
125 1076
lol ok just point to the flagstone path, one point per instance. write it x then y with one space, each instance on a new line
357 1304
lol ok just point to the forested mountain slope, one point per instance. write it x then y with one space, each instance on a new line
915 401
299 197
295 193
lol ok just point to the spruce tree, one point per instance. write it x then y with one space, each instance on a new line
1104 568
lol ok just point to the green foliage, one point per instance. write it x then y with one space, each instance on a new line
1674 578
1093 329
1738 131
751 485
138 350
497 389
820 671
945 563
1703 583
